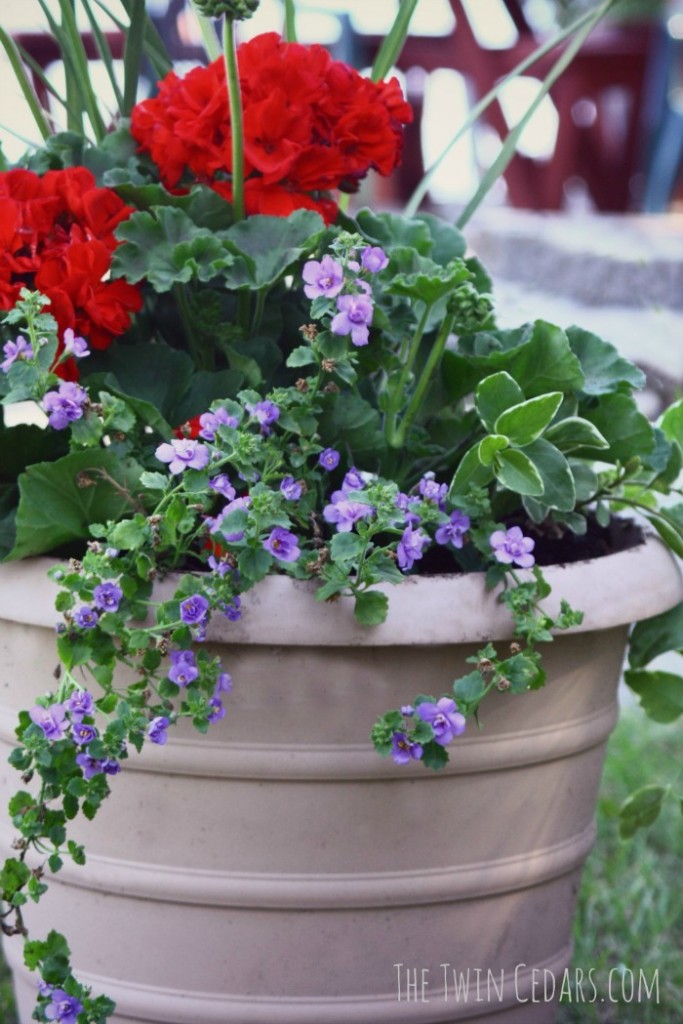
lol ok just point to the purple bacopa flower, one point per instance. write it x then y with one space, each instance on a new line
224 683
353 480
80 704
194 609
107 596
291 488
444 718
63 1009
512 547
65 405
329 459
453 531
407 710
221 485
156 730
374 259
354 318
346 512
218 710
89 765
85 617
323 278
282 545
211 421
83 734
219 566
183 669
403 750
433 491
44 989
75 346
110 766
182 454
232 610
52 720
265 413
216 525
13 350
410 547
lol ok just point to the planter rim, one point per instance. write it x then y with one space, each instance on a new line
613 590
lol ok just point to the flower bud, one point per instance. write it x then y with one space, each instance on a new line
235 10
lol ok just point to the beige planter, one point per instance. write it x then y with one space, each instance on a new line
278 870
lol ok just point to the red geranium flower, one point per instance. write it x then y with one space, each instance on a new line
312 126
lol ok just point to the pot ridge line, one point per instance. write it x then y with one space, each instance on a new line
179 1007
242 761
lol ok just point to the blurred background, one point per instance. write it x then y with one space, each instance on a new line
609 137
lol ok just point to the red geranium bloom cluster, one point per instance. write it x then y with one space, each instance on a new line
57 236
311 125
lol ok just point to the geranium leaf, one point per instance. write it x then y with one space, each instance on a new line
271 246
432 285
603 368
655 636
621 423
661 693
392 229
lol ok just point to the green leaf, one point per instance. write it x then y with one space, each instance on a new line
390 230
559 491
470 688
574 432
470 473
155 373
347 547
59 500
431 284
301 356
515 471
272 245
494 395
669 527
640 810
489 446
371 608
627 431
655 636
130 534
254 563
661 693
448 242
434 756
526 422
604 369
350 420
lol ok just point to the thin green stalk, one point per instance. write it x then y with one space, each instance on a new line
290 21
510 145
391 47
155 50
425 380
132 55
421 190
208 33
76 59
196 349
40 74
397 392
104 51
32 100
236 131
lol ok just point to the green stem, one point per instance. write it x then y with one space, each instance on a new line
202 359
290 21
235 100
425 380
397 392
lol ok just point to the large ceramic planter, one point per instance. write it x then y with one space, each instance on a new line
278 870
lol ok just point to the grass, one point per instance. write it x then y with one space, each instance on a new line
630 912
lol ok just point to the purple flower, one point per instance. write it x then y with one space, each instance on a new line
216 525
403 503
453 531
512 547
323 278
346 512
266 413
44 989
218 710
89 765
354 318
110 766
221 485
51 720
232 610
76 347
432 491
374 259
183 669
224 683
65 405
407 710
107 596
282 545
156 730
410 547
85 617
219 566
13 350
353 480
291 488
63 1009
83 733
211 421
79 704
444 718
404 750
183 454
329 459
194 609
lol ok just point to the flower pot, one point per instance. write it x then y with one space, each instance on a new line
278 870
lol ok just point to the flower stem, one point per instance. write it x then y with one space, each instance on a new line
398 391
236 131
425 380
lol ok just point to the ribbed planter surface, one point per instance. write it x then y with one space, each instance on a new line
276 871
